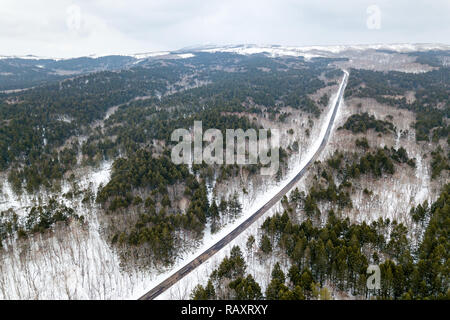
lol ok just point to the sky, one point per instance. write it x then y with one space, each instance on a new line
68 28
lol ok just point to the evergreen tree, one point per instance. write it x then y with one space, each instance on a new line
265 244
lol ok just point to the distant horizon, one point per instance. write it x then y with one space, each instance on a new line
210 46
78 28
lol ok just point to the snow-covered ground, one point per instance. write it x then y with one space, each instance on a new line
183 288
393 195
320 51
87 178
77 263
273 50
63 264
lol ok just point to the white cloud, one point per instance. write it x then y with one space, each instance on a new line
66 28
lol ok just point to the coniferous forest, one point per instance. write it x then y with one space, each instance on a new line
85 158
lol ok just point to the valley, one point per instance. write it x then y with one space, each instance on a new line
92 207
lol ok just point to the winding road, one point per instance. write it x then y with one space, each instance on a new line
166 284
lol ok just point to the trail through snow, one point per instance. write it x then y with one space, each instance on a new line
80 264
183 287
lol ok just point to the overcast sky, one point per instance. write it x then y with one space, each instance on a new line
64 28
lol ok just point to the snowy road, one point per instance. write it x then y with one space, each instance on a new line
166 284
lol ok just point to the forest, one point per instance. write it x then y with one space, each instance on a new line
37 123
339 253
431 89
38 219
333 256
357 123
152 212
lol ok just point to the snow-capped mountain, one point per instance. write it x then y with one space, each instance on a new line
275 50
318 51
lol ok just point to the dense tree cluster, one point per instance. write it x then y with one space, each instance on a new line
439 162
38 219
431 104
161 234
156 231
433 58
224 211
340 252
38 121
333 180
376 163
161 229
17 73
45 170
357 123
141 170
229 281
35 123
141 121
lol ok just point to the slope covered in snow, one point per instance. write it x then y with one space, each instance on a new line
183 287
76 262
273 50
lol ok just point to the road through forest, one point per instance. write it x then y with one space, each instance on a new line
166 284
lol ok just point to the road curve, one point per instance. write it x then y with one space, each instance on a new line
166 284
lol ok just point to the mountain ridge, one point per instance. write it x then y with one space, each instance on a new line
398 47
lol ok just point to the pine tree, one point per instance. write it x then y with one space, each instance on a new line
235 206
278 274
223 208
210 291
246 289
265 244
250 244
215 217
